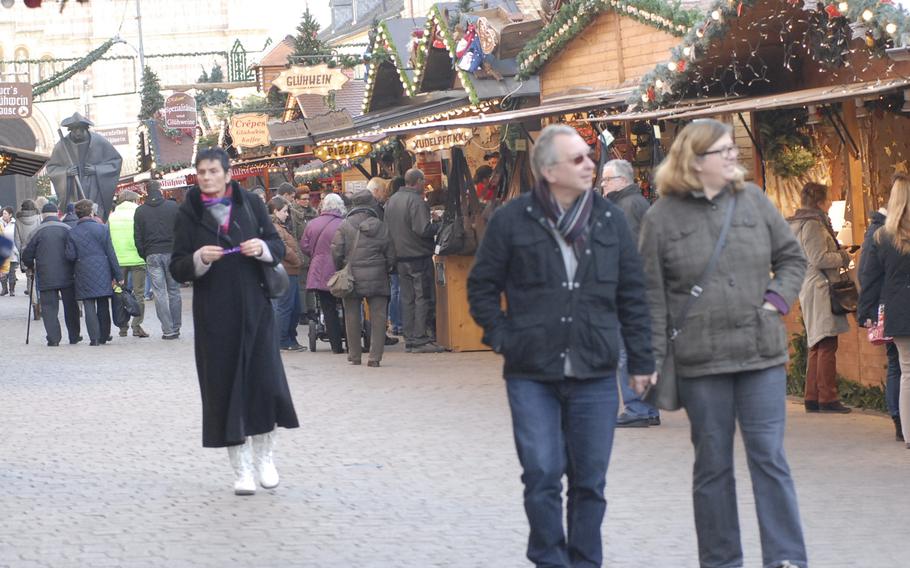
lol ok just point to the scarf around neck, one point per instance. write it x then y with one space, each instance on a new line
220 208
818 215
571 223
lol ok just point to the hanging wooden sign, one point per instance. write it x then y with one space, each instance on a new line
436 140
15 100
343 150
313 80
249 130
180 111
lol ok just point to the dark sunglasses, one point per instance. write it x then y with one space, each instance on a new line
579 159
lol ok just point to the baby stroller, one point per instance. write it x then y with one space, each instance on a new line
317 329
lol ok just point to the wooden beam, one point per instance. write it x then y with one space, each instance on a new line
210 86
855 196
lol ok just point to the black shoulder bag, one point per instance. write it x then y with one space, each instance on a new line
274 279
665 394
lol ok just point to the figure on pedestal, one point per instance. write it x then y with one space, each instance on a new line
92 159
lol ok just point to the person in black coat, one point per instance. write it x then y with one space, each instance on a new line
886 272
89 246
893 374
46 255
573 281
223 240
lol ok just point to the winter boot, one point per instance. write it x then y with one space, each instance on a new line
5 290
242 462
263 450
898 433
12 285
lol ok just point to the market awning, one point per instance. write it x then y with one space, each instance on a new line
19 161
814 96
563 105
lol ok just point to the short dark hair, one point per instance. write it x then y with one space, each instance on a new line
9 209
813 194
84 208
483 173
277 204
28 205
286 189
215 153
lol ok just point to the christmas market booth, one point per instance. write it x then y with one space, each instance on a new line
816 92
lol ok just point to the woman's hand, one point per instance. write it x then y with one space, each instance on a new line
252 247
210 253
641 384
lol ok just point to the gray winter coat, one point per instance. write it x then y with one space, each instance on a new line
727 330
26 223
824 260
374 257
410 226
633 205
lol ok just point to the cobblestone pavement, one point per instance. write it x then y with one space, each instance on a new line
408 465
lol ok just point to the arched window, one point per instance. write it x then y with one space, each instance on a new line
46 67
21 69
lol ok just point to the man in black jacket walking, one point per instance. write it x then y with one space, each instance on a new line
46 255
572 278
618 185
153 232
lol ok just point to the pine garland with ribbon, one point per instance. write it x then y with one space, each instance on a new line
576 15
883 23
82 64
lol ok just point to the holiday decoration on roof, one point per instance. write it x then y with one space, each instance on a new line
830 31
437 35
575 15
383 49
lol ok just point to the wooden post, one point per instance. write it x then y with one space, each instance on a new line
856 196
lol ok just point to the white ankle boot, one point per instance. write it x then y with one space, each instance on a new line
242 462
263 448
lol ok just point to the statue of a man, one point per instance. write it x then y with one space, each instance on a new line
92 159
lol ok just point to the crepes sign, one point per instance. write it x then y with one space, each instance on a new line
249 130
439 140
311 80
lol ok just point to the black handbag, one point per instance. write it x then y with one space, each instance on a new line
274 279
844 295
124 306
458 233
665 394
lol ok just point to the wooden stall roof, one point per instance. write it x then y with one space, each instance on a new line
19 161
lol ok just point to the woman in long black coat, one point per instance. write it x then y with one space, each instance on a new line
89 247
223 241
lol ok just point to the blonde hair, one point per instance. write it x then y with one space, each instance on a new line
676 175
897 222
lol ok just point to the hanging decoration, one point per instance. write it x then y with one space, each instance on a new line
575 15
80 65
830 29
786 141
438 35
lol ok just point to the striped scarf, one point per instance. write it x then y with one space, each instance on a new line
572 223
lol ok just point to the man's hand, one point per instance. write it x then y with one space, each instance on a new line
72 171
641 383
89 169
210 253
252 247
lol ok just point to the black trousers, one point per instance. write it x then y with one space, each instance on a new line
98 318
329 305
50 306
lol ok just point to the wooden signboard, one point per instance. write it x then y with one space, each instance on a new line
311 80
250 129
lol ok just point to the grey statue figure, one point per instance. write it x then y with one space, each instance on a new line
90 157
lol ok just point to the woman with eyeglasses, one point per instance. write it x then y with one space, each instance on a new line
731 347
826 258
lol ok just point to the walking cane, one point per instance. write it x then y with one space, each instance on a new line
28 327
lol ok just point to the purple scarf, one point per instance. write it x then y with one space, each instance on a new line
572 223
220 208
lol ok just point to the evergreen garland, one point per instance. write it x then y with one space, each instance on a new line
150 93
575 15
786 142
80 65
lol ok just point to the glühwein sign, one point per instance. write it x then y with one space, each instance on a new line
311 80
180 111
15 100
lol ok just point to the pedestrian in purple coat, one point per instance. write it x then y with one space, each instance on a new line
317 244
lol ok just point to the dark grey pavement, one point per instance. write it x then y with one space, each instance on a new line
408 465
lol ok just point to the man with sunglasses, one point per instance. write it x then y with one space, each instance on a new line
573 282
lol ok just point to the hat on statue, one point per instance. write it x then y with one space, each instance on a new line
75 120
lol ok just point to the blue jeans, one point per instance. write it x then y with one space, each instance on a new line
757 400
395 304
893 383
166 290
287 309
564 428
633 405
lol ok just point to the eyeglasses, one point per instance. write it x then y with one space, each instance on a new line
579 159
610 178
726 152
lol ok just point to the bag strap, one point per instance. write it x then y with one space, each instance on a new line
353 248
697 289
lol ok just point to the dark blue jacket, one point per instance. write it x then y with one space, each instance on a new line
89 246
864 274
153 225
47 250
885 279
550 317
